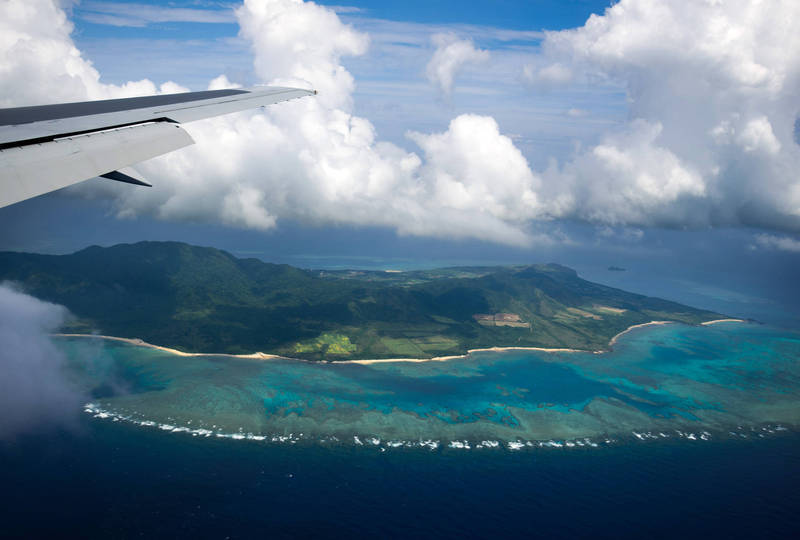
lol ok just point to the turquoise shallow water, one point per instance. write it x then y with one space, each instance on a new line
673 381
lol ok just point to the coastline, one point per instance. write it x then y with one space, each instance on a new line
458 356
141 343
709 323
264 356
611 343
634 327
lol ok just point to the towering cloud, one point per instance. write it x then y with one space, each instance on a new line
712 90
451 55
34 389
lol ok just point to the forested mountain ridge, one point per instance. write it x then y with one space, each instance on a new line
206 300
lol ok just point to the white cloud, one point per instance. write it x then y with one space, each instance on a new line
314 161
472 166
221 83
39 63
627 178
712 99
782 243
548 76
757 136
34 388
302 43
450 57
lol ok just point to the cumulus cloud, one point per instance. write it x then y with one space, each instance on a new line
712 97
628 179
313 160
451 55
463 165
39 63
34 388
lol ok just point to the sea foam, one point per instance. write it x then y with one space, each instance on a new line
98 412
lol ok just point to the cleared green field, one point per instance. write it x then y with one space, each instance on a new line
335 344
402 347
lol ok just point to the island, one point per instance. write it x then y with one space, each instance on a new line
204 300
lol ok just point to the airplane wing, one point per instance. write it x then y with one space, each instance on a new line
48 147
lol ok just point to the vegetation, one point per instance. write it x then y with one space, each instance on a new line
206 300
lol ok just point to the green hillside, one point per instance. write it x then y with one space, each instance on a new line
206 300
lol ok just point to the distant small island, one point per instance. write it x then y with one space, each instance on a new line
199 300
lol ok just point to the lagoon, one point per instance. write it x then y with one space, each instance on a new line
673 381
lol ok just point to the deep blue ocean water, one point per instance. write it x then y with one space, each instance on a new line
114 480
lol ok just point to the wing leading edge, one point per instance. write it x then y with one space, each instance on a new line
48 147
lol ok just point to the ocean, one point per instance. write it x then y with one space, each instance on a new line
679 432
114 480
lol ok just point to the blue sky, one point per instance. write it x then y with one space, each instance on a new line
125 41
624 153
511 14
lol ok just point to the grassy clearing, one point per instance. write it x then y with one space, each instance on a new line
328 343
402 347
583 313
608 310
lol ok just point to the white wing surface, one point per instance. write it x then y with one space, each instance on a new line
48 147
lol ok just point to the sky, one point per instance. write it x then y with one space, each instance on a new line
662 137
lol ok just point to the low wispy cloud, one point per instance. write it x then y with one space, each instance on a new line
347 10
140 15
577 113
782 243
35 390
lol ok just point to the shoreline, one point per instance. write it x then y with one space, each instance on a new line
264 356
141 343
614 339
715 321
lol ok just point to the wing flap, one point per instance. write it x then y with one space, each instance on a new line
31 170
